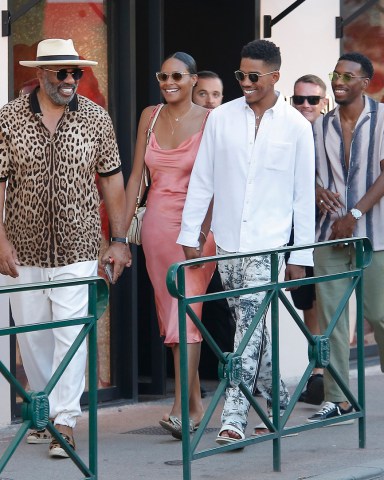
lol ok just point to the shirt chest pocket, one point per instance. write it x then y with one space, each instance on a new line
278 156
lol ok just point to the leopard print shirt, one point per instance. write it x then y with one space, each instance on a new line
52 201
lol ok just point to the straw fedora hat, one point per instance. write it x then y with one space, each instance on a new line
55 51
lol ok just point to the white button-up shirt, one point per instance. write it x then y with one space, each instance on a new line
260 184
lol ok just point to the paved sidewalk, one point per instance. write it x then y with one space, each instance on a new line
133 446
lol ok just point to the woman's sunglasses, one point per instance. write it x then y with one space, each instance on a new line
176 76
253 76
311 99
63 73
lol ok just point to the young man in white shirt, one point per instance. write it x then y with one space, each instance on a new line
256 159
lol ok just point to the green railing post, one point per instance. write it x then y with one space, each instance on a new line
92 381
360 343
184 378
275 362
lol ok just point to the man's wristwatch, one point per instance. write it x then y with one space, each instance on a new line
120 240
356 214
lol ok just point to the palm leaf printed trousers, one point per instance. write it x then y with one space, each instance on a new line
257 355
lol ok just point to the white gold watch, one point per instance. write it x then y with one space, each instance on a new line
356 214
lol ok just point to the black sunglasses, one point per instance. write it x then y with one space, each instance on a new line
253 76
311 99
176 76
63 73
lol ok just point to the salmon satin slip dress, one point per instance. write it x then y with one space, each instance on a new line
170 171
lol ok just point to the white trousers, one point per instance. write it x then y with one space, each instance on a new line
42 351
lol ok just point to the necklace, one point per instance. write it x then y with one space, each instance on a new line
177 119
349 124
258 121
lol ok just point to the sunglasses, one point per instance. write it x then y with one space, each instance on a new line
63 73
253 76
176 76
311 99
345 77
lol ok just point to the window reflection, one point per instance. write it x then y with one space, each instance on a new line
362 35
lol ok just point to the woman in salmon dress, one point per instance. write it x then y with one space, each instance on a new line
169 156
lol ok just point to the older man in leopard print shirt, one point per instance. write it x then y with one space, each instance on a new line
52 144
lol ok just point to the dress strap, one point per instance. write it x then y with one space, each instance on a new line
152 119
205 120
144 176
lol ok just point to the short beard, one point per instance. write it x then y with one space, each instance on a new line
343 102
52 91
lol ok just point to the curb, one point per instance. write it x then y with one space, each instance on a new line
369 471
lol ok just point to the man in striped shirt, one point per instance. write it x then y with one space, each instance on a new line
349 195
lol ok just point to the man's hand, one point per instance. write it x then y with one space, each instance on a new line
343 227
119 255
294 272
8 258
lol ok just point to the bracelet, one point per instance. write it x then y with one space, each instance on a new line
120 240
204 235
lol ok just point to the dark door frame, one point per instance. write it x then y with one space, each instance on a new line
126 43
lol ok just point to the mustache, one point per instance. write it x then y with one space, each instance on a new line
67 85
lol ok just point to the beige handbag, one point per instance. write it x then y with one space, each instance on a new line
134 231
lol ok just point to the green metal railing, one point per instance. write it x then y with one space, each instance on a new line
230 363
35 407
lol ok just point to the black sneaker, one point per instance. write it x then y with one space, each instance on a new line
331 410
314 393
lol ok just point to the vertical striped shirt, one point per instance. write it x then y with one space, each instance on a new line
354 180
